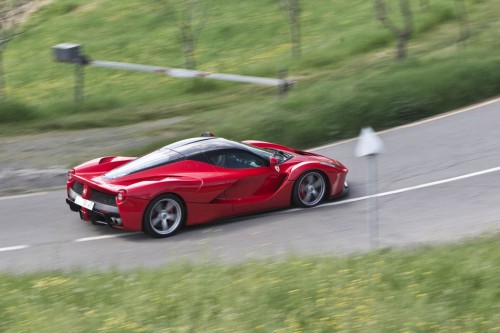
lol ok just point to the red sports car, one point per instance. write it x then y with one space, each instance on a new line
199 180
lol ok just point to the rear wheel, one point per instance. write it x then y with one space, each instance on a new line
309 189
164 216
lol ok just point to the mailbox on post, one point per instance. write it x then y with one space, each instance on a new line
67 52
70 53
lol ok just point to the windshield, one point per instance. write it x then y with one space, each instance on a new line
280 155
157 158
266 153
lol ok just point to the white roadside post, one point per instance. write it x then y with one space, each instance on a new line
370 145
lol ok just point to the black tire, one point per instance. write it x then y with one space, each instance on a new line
309 189
165 215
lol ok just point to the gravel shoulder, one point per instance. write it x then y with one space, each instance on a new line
31 163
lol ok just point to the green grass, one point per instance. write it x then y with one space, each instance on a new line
347 75
13 112
453 288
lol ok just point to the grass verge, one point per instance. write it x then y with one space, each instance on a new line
451 288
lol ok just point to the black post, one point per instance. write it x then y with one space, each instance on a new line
79 83
80 62
285 85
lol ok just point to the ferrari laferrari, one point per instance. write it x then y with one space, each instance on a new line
200 180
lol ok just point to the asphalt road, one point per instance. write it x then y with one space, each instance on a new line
439 181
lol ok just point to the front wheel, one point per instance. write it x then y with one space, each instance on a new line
164 216
309 189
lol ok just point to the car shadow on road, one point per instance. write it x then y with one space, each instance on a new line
251 221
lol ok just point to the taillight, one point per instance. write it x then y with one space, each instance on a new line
71 174
121 196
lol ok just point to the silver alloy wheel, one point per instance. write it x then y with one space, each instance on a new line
311 189
165 216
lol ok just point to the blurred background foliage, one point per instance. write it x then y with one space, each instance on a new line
347 73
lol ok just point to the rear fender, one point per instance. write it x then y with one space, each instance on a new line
102 164
185 187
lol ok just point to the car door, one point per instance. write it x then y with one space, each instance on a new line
251 181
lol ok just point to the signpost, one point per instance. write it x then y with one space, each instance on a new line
370 145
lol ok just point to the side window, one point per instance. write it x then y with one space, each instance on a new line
200 157
236 159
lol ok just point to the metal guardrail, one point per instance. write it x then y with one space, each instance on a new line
71 53
190 73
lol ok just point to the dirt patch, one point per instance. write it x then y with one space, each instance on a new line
22 10
34 162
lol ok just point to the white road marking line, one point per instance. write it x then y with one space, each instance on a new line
22 196
407 189
13 248
420 122
88 239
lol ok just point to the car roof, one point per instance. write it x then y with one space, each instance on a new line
192 146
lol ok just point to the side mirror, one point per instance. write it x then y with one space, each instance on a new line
273 161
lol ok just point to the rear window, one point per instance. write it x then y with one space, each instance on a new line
152 160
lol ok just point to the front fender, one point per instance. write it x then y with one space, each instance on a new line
336 176
300 168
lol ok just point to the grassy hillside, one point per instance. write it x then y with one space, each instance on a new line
445 289
347 75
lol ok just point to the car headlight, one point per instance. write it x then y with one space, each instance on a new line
331 165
